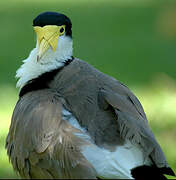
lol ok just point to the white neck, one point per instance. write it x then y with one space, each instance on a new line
51 60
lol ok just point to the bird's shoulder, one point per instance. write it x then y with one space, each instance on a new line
107 85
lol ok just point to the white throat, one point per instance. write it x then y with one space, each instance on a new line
51 60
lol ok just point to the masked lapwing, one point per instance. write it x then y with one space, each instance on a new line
73 121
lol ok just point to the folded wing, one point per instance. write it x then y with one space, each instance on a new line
134 126
41 144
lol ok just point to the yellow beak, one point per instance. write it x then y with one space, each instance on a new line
48 36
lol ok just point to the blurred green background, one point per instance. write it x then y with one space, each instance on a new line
132 40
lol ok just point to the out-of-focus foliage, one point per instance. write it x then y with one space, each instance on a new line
134 41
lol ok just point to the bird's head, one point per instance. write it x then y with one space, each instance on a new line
54 35
53 49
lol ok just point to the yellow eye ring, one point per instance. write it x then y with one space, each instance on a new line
62 30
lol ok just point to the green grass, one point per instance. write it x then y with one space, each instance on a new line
119 37
8 99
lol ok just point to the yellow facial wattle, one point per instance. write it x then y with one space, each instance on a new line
48 36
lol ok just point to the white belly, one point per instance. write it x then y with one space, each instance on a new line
116 164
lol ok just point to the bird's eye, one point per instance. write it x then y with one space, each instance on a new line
62 30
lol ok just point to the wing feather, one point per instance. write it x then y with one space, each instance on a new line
41 144
133 124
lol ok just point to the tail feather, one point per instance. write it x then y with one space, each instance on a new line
167 170
150 172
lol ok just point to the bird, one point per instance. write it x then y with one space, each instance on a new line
73 121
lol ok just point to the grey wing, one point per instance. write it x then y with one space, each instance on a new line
42 145
132 122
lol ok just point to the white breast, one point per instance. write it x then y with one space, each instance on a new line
116 164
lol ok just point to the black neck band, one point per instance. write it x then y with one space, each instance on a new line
43 80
